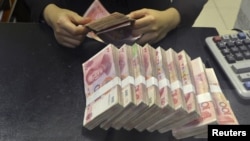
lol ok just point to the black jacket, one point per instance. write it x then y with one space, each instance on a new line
188 9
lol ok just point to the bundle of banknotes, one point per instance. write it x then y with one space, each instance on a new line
153 89
115 28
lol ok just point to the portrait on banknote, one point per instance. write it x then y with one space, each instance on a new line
98 72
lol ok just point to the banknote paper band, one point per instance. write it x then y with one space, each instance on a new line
163 83
189 88
128 80
152 82
176 85
140 79
215 88
204 97
114 82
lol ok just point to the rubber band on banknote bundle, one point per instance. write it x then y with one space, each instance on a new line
215 88
189 88
204 97
140 80
163 83
176 85
128 80
114 82
152 82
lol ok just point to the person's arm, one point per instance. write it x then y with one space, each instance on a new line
67 24
153 25
37 7
189 10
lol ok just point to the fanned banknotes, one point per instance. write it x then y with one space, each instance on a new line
102 86
115 28
205 102
140 87
127 89
180 108
146 88
184 66
224 112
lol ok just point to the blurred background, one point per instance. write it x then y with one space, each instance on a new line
221 14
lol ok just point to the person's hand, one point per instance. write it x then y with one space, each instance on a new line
68 26
153 25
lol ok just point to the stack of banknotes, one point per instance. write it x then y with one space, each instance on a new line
115 28
153 89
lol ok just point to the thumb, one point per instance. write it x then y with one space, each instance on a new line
79 20
137 14
85 20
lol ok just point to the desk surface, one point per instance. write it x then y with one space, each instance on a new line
41 88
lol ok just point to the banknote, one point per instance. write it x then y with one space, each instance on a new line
165 99
115 28
176 93
141 96
128 85
187 81
205 102
101 78
148 53
96 11
175 82
224 112
153 89
100 110
100 73
163 79
184 66
128 89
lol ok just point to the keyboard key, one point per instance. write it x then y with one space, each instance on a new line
234 49
243 48
244 77
246 41
241 67
217 39
225 37
246 54
238 56
238 42
247 85
248 47
234 37
230 44
242 35
225 51
221 45
230 59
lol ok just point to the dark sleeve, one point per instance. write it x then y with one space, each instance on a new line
189 10
36 7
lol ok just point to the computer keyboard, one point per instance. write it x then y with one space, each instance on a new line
232 53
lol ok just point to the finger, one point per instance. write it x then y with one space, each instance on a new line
75 25
146 21
66 38
148 38
85 20
65 33
68 42
140 31
68 45
139 23
137 14
79 20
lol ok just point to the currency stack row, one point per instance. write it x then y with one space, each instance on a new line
153 89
